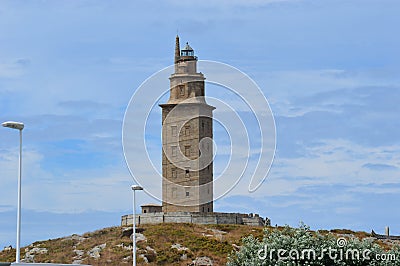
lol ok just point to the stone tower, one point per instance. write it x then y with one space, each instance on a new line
187 132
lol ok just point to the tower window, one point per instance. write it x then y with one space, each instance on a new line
187 193
187 151
174 151
187 130
174 173
173 131
187 173
181 90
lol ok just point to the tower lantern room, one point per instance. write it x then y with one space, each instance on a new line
187 51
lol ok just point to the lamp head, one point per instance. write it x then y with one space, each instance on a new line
136 187
14 125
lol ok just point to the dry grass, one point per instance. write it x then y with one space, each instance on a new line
199 239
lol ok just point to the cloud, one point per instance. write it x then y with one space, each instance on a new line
379 166
376 189
83 104
98 190
4 208
294 93
14 69
9 172
342 161
362 115
41 225
330 164
69 190
68 162
233 3
323 206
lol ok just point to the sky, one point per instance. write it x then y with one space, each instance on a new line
329 70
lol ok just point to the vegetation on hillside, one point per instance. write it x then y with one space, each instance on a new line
181 244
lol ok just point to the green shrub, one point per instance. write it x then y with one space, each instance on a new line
300 246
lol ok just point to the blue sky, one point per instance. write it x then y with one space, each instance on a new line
329 70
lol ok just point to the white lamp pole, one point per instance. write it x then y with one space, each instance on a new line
134 188
20 127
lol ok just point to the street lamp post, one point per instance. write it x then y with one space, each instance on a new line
20 127
134 188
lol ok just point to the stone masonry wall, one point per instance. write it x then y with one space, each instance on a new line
197 218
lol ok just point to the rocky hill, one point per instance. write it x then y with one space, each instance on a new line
168 244
158 244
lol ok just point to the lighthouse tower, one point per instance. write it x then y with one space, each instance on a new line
187 132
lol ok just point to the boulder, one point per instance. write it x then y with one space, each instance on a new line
202 261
